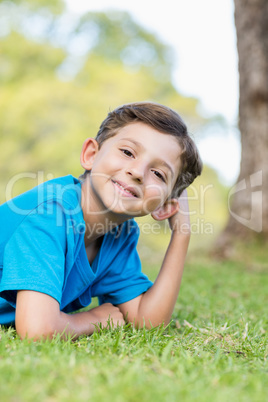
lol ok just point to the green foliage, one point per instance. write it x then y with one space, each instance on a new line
54 6
54 95
117 37
23 60
215 349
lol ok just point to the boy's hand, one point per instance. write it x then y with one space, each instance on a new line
107 314
38 316
180 221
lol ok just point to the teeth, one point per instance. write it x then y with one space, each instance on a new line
130 192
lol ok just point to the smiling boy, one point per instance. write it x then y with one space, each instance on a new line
68 240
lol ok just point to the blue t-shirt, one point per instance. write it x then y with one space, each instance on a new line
42 249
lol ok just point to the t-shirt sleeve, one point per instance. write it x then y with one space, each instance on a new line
123 279
34 257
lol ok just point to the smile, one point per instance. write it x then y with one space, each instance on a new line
125 190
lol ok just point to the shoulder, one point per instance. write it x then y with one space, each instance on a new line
48 204
63 189
66 190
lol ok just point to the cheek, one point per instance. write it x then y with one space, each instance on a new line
155 196
106 165
157 191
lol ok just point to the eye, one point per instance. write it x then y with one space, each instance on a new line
159 175
127 153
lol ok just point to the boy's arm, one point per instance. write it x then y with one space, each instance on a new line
38 316
155 306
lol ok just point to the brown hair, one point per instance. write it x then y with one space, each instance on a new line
164 120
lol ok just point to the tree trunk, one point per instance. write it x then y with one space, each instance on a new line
248 200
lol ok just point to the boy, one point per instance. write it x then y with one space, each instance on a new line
67 240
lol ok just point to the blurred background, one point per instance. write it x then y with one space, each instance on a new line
64 65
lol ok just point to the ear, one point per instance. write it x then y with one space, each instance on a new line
89 151
165 211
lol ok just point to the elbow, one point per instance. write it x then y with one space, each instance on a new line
156 323
35 330
149 323
35 333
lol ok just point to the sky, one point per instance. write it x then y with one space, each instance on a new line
202 34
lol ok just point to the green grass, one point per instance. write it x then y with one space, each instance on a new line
215 349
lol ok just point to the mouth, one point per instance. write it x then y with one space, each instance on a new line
124 189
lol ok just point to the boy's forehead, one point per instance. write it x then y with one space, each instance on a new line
140 133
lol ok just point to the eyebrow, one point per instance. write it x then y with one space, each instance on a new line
139 145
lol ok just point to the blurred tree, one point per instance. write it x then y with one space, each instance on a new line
60 76
249 203
117 37
54 5
23 60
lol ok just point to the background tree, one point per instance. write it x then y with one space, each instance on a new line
249 206
61 74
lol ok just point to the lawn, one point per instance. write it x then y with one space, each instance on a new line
215 349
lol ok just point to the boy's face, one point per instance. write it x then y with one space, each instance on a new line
134 172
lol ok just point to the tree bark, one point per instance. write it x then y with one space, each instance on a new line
248 200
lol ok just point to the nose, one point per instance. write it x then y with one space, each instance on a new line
136 171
